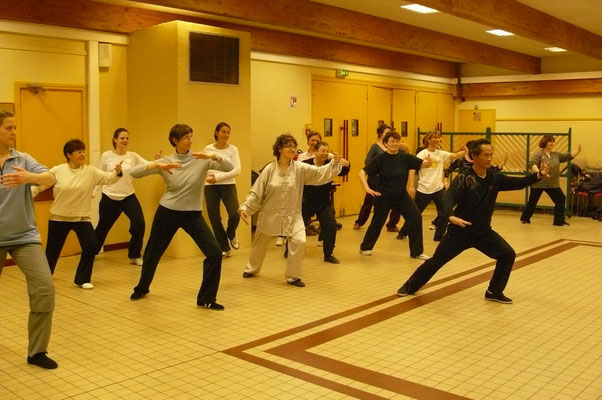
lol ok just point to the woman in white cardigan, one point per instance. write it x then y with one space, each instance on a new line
221 186
72 208
120 197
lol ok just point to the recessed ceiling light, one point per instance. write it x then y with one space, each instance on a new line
555 49
500 32
420 9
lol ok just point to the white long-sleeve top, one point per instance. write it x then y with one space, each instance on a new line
123 187
277 195
73 191
230 153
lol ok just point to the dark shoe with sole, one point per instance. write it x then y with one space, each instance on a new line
392 229
247 275
331 259
212 306
563 224
499 297
525 222
137 295
401 236
296 282
404 290
42 361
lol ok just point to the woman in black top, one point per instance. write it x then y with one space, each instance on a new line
392 168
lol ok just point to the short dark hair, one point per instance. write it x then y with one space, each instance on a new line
116 135
5 114
282 141
71 146
545 140
381 129
320 144
219 127
313 133
391 134
475 147
178 131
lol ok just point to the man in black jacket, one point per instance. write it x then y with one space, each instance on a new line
474 191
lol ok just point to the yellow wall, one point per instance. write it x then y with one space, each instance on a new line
551 114
160 95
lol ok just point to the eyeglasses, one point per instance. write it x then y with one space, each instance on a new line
290 146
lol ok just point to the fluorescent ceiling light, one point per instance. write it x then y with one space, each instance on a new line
555 49
420 9
500 32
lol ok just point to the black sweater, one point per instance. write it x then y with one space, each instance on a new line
475 197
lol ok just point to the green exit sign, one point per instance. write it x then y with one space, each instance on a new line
342 73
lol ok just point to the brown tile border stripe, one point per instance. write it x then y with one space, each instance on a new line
297 350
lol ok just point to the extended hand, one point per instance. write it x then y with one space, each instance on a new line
244 216
459 221
202 156
20 177
373 193
167 167
545 169
158 155
118 168
412 191
428 161
210 178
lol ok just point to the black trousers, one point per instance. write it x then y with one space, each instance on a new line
366 208
382 206
109 210
453 243
227 194
165 225
328 225
422 200
57 234
557 197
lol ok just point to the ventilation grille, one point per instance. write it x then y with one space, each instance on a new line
213 58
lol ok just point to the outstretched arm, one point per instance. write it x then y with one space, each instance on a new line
23 177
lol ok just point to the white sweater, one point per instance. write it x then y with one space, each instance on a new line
73 191
123 187
230 153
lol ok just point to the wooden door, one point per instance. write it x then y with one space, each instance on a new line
426 112
342 104
404 116
47 117
380 103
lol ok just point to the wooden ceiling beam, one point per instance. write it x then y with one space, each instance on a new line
522 20
113 18
530 88
341 24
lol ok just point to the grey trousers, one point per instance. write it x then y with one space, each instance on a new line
31 260
296 252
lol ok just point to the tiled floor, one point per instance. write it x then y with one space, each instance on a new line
345 335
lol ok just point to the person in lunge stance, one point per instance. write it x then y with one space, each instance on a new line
20 237
181 207
474 191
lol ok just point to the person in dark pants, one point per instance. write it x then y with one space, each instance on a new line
392 168
221 186
316 200
474 191
181 207
364 213
551 184
120 197
72 208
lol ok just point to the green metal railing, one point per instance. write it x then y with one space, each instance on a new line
454 140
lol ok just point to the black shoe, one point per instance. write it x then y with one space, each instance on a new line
212 306
404 290
563 224
525 222
500 298
331 259
137 295
296 282
43 361
339 226
247 275
401 236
